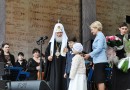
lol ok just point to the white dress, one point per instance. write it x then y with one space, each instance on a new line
78 74
78 83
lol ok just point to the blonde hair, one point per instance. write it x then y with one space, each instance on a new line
96 25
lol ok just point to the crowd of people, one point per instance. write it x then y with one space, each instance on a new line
64 66
32 65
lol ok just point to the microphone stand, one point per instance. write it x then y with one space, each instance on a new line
41 60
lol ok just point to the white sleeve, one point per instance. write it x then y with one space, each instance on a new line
74 67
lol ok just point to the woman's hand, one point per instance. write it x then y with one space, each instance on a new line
38 68
50 58
86 56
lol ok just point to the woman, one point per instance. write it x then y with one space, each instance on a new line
98 54
121 80
33 65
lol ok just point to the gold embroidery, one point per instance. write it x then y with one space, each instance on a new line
57 51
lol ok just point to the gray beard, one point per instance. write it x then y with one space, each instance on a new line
58 39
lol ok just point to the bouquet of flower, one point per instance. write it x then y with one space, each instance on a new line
111 56
113 41
124 64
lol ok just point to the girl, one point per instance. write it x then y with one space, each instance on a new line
78 70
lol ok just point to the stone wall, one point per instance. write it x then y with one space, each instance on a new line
2 21
28 20
111 13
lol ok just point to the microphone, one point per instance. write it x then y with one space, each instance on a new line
42 39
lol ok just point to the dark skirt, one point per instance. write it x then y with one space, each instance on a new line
120 80
100 73
33 76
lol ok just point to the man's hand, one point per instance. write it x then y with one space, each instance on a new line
65 75
50 58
